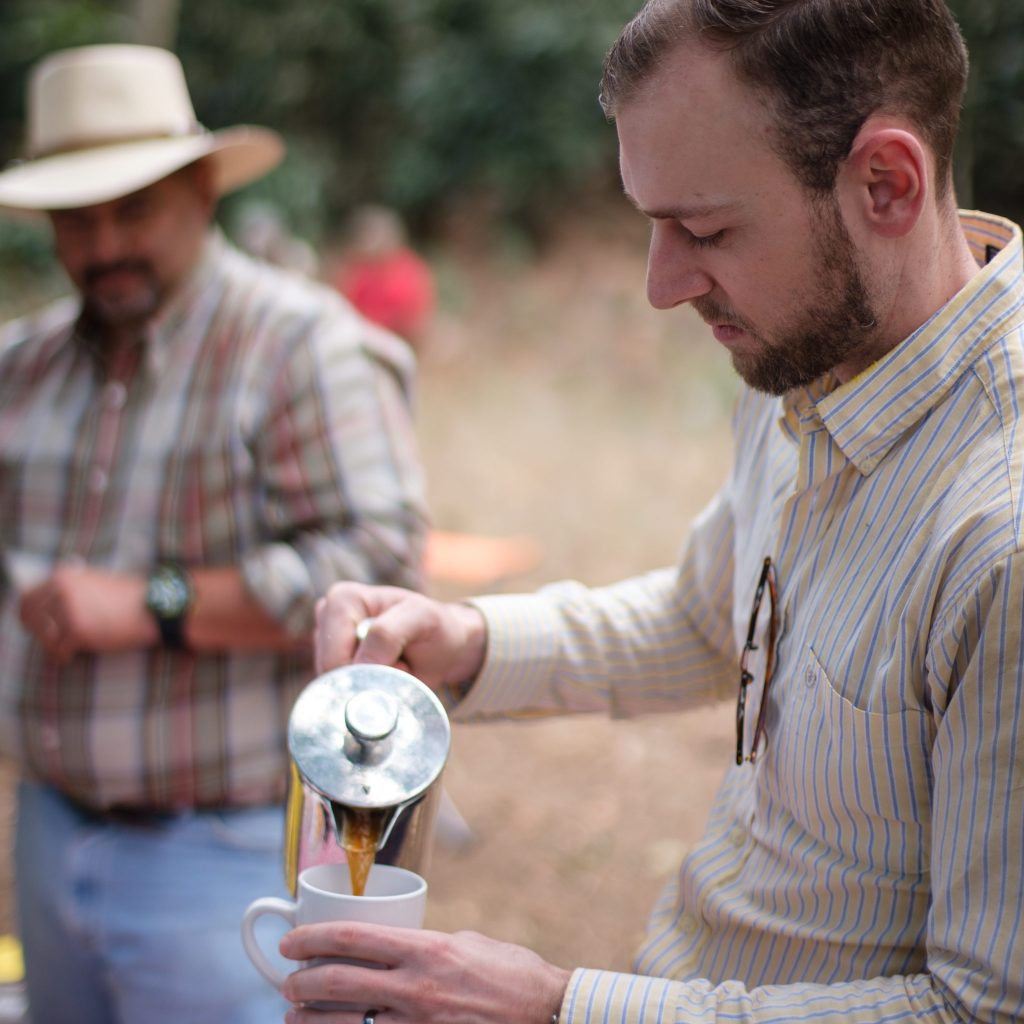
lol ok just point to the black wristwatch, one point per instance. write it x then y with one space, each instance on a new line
169 596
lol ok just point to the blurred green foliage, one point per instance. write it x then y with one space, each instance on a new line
992 141
442 106
423 105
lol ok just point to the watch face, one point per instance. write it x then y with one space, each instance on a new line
168 594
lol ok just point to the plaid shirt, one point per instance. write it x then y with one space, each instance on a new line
261 424
869 866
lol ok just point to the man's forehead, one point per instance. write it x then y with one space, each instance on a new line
694 140
699 87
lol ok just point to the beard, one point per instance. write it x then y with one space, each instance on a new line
129 303
837 322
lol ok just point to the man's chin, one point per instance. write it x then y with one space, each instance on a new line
121 311
771 377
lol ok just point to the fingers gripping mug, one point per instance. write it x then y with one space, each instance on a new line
394 896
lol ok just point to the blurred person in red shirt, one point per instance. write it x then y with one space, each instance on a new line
382 277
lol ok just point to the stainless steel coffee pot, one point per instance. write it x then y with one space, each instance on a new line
367 745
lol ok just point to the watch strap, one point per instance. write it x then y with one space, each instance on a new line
169 597
172 631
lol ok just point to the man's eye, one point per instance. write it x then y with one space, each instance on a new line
69 220
133 209
706 241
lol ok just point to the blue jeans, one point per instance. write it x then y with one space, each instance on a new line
139 923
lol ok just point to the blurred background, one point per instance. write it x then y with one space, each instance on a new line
462 115
558 415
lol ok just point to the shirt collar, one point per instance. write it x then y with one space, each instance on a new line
867 415
203 280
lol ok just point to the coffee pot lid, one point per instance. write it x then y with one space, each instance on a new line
368 736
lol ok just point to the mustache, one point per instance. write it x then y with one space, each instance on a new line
712 312
97 271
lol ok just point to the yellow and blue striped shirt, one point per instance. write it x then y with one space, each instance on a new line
869 867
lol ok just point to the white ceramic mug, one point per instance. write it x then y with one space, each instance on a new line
394 896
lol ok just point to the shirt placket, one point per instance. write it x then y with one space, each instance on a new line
83 528
102 469
803 513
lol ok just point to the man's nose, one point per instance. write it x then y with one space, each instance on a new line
106 241
674 273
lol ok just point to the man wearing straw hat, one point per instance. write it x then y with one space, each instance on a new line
190 452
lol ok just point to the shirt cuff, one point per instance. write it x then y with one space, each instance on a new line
599 996
522 645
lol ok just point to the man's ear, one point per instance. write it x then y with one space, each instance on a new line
202 175
886 177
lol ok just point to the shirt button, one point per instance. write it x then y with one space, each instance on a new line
98 480
116 395
810 676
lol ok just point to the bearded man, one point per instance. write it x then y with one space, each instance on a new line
855 586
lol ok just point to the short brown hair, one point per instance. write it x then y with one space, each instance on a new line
823 67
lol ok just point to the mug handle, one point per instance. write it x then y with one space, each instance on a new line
255 910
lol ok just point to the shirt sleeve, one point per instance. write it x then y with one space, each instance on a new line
658 642
343 490
975 946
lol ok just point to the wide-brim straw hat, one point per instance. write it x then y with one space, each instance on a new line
106 121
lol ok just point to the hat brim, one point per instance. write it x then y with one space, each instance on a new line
89 176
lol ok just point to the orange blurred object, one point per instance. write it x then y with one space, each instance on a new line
475 560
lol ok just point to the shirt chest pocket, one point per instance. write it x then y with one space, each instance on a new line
855 779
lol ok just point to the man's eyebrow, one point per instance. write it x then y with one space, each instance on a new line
692 212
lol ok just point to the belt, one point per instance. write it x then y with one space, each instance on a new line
130 816
138 817
141 816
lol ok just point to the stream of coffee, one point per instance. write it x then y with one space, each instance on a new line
360 838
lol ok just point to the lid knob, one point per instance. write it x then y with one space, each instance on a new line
371 715
368 736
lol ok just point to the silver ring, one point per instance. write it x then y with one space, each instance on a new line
363 627
369 1017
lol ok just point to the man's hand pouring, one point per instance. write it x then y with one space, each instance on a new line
433 978
442 644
